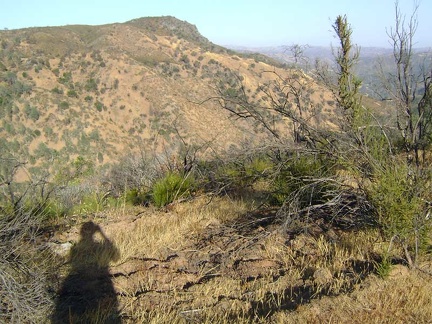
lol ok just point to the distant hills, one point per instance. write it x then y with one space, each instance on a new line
104 92
368 67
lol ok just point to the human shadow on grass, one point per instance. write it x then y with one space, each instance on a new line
87 294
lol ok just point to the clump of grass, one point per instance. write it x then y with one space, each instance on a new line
383 268
91 203
171 187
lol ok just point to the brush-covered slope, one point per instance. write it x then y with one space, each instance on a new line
103 92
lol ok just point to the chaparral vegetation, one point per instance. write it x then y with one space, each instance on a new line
150 176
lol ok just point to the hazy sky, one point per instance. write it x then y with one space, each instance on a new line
232 22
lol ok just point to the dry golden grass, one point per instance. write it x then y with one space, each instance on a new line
402 299
157 233
166 274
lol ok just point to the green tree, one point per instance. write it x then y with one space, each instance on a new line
348 84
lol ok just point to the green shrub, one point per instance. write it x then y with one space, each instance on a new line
91 203
72 93
63 105
184 58
400 195
384 267
31 112
91 85
396 200
66 78
99 106
137 197
299 177
57 90
82 167
233 175
244 172
258 166
52 210
171 187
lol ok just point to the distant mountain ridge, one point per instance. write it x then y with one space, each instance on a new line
367 67
311 51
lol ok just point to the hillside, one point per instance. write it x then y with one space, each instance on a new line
102 92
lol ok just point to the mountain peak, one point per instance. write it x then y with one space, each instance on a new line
170 26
